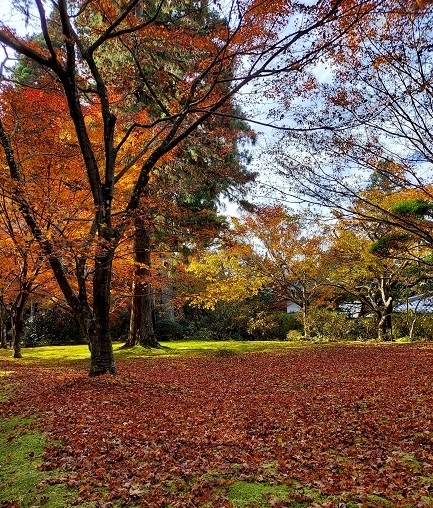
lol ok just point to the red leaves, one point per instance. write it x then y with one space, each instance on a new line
352 422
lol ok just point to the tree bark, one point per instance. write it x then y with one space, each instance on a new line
306 323
305 314
3 341
142 329
101 352
17 322
101 348
384 327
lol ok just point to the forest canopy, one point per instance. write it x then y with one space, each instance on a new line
124 123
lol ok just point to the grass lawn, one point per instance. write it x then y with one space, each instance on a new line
200 424
62 355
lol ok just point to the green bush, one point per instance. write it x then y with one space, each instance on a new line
226 322
273 325
331 325
165 329
422 328
53 326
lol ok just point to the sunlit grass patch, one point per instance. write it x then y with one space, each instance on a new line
193 347
52 354
75 354
22 484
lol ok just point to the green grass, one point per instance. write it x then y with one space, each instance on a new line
62 355
261 494
22 484
264 495
22 446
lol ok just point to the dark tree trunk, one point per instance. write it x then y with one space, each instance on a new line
17 323
3 341
305 313
306 322
141 329
98 328
101 352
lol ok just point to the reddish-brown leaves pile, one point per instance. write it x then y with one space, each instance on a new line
344 421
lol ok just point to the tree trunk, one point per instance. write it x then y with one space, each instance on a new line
384 327
17 322
306 322
101 352
3 341
305 316
98 328
142 330
384 331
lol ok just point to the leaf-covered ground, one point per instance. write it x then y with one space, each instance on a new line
341 426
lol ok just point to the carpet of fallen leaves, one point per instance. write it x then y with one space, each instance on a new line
348 422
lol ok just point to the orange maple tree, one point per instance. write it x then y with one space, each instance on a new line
288 249
118 140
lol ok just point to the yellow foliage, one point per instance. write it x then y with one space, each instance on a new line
224 278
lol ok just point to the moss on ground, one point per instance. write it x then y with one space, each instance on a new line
21 449
257 494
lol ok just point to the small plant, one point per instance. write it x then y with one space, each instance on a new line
294 336
262 326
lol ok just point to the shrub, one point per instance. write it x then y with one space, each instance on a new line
247 320
422 328
289 322
326 324
294 335
165 329
227 321
53 326
263 326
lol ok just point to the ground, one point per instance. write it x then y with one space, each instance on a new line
329 426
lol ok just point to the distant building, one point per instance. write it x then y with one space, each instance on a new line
292 307
351 309
419 303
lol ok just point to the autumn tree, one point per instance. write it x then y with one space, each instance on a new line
287 249
367 114
369 265
118 147
23 272
188 186
180 214
273 250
